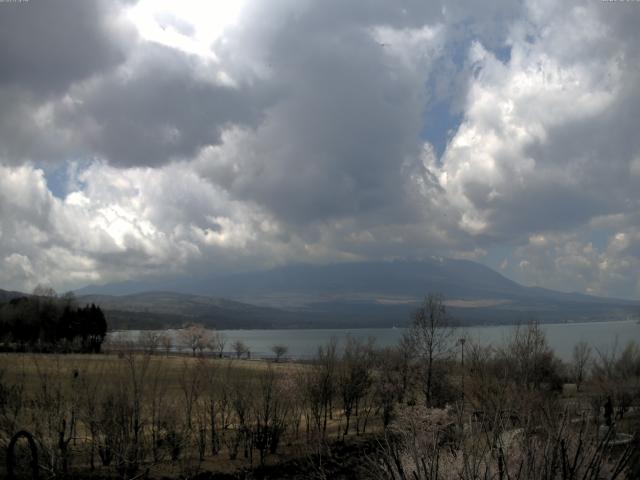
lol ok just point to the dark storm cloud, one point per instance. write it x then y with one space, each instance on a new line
358 79
77 82
45 45
350 115
163 104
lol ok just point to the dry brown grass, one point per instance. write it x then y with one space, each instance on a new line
72 378
27 368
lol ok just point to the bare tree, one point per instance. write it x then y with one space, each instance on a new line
191 384
157 408
270 411
194 337
44 291
149 341
217 342
613 376
212 401
559 448
529 359
431 335
167 342
204 342
390 384
354 378
328 361
581 357
240 348
279 351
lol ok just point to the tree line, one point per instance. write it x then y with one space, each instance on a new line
47 322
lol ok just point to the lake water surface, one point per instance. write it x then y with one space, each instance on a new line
303 343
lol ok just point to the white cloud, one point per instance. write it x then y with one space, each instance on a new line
498 152
121 223
570 262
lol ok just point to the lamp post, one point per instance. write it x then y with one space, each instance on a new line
462 342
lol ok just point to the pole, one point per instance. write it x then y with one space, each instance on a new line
462 341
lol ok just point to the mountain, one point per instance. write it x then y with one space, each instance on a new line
170 309
6 295
354 295
451 277
160 310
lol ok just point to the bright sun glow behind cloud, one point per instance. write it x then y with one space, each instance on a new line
189 25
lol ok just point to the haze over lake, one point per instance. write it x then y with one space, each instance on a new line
303 343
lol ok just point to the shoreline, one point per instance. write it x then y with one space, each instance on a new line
315 328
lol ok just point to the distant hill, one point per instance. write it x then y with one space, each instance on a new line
350 295
171 309
159 310
6 295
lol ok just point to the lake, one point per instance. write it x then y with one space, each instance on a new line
303 343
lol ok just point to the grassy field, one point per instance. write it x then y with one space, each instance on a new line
169 397
128 414
31 369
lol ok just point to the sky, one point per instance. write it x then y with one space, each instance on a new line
153 138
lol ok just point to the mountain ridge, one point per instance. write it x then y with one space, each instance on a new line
344 295
238 284
370 294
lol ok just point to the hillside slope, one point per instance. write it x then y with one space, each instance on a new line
355 294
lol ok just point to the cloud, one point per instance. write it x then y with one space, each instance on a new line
349 116
321 131
570 262
547 139
161 105
47 46
118 224
78 82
